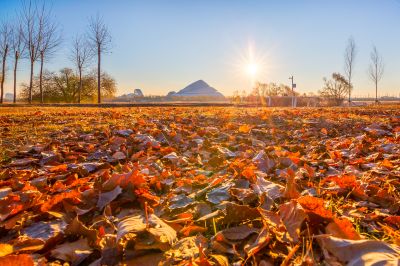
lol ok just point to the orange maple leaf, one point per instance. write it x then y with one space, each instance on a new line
342 228
315 209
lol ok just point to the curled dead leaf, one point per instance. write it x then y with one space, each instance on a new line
361 252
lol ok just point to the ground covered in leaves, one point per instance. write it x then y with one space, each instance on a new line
199 186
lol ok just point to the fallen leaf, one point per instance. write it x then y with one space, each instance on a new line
220 259
119 155
73 252
185 249
238 232
244 129
315 209
342 228
23 162
291 191
192 229
149 259
179 202
261 241
217 195
156 227
293 216
77 228
123 180
6 249
271 189
44 231
106 197
17 260
59 168
361 252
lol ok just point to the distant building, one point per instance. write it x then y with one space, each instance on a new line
131 97
8 97
171 93
138 93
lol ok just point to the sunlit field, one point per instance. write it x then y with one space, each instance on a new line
200 185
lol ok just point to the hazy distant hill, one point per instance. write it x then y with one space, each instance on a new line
198 89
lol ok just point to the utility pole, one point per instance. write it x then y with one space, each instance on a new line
293 86
291 78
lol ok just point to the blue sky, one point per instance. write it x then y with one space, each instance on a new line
160 46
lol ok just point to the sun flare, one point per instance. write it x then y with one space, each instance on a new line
252 69
252 65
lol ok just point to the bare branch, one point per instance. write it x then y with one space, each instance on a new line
100 39
349 57
29 16
5 36
48 39
17 41
81 53
376 69
99 34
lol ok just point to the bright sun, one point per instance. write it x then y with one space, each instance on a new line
252 69
251 65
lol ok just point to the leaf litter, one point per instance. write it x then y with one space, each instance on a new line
200 186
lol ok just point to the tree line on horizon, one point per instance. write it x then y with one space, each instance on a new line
35 35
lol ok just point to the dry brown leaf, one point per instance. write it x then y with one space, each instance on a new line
106 197
261 241
236 213
293 216
361 252
238 233
73 252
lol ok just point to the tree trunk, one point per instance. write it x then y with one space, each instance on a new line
41 77
98 76
3 72
15 76
350 90
80 85
376 83
31 76
30 84
67 81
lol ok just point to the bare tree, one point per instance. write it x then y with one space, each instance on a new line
17 50
101 41
5 33
50 39
31 33
349 57
80 56
376 69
